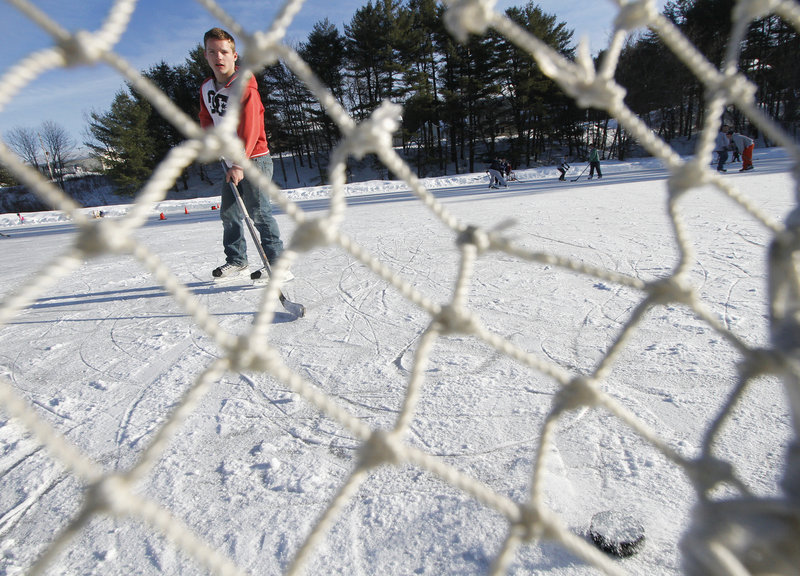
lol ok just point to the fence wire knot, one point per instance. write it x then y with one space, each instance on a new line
599 93
82 49
529 526
635 15
474 236
375 133
378 450
465 17
108 494
100 237
693 171
312 234
579 392
734 88
709 472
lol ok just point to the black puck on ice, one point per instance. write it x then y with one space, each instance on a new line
616 533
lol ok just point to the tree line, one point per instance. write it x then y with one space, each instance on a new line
463 104
661 90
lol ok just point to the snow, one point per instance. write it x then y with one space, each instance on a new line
107 353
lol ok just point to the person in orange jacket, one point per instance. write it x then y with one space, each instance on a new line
215 92
745 147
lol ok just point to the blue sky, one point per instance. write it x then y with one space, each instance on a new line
168 29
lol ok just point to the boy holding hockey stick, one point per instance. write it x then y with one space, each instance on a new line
220 53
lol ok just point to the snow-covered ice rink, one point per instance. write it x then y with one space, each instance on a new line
106 355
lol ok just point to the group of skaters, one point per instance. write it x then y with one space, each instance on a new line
594 165
728 140
500 169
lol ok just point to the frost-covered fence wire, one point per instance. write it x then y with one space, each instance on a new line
736 536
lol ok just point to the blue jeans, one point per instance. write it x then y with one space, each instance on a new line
723 157
258 206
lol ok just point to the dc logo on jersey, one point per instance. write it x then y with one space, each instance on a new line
218 103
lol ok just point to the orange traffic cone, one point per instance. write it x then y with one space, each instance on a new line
185 210
162 217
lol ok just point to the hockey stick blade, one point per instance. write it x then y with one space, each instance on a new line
294 308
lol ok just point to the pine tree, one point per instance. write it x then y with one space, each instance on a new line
537 108
324 53
6 177
769 58
164 135
365 43
122 141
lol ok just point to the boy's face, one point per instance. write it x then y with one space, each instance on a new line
221 56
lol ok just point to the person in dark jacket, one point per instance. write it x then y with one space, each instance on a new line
496 171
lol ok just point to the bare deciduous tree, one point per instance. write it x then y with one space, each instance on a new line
59 147
23 141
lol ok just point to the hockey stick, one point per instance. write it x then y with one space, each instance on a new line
581 174
294 308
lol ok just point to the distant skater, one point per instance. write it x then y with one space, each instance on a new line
722 143
594 163
496 171
507 168
745 146
563 167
